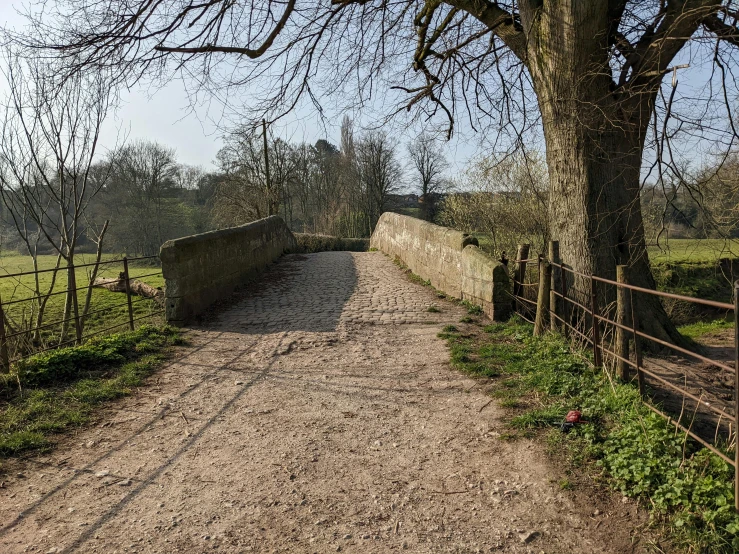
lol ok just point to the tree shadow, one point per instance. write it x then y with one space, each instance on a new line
713 385
139 486
297 293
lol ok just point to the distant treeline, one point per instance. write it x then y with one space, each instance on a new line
147 196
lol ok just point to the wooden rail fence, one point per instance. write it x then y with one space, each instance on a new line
23 333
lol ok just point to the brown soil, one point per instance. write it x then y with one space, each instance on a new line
711 383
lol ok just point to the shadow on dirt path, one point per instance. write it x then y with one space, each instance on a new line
311 430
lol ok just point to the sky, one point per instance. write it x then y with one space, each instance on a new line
165 115
162 115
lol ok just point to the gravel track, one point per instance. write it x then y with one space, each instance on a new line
317 413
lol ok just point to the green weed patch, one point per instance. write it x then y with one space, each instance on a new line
687 489
472 309
60 389
700 329
66 364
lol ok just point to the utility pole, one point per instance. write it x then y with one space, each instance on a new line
270 201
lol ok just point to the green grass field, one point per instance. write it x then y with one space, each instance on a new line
674 251
412 212
107 309
682 266
692 251
485 243
691 267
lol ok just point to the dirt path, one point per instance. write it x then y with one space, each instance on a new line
712 384
318 414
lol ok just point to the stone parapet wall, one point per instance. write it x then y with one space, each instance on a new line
450 260
309 243
202 269
485 283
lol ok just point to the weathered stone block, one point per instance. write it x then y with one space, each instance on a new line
202 269
449 259
485 282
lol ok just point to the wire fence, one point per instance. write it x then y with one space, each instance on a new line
45 309
695 389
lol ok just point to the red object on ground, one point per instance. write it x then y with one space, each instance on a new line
573 416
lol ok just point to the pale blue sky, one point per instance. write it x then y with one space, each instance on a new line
165 115
161 115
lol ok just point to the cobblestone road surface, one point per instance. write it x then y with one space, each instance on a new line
316 414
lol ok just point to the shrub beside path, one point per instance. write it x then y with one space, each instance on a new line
317 413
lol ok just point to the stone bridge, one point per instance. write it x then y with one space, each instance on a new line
202 269
313 411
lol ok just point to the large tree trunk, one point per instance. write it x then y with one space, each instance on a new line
594 142
595 213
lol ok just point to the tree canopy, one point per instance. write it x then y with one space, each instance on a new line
597 78
476 58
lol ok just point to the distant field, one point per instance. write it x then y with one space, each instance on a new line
412 212
682 266
109 307
693 251
675 251
486 243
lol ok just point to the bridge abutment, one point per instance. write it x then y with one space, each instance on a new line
449 259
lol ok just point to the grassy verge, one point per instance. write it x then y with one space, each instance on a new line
472 309
58 390
107 309
702 329
687 490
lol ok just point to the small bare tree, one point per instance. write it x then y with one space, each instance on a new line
31 236
427 158
379 173
245 193
506 199
142 177
47 148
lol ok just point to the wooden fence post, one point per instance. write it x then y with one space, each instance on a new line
637 346
595 322
542 303
555 304
128 292
736 396
4 358
519 275
72 282
623 310
566 306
